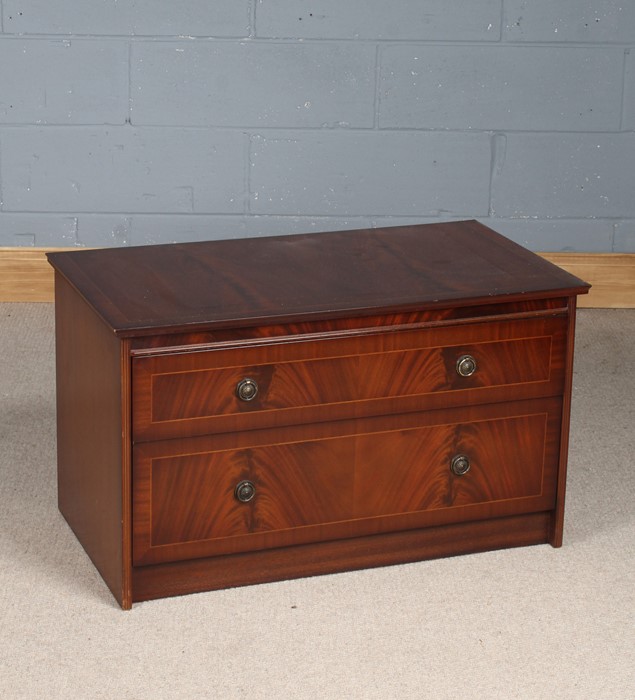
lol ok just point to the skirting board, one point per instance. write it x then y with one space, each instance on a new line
611 274
25 275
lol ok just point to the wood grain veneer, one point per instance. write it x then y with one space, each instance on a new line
196 575
228 284
301 382
26 276
335 481
353 340
93 397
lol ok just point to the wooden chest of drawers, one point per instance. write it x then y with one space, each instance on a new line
235 412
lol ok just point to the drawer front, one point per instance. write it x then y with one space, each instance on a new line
368 476
195 393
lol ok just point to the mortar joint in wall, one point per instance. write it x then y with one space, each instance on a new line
499 153
251 12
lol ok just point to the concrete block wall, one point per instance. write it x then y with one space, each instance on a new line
124 122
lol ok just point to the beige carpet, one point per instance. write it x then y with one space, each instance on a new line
526 623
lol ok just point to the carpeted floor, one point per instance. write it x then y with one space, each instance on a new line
525 623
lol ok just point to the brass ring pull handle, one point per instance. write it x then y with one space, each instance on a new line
460 465
466 366
247 389
245 491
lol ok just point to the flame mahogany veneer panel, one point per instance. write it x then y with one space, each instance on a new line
353 339
194 393
350 479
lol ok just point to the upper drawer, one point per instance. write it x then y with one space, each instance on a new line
290 381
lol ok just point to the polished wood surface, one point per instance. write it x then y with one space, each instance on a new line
193 393
556 533
353 478
25 275
93 464
353 339
145 346
195 575
234 283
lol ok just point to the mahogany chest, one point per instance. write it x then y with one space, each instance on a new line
242 411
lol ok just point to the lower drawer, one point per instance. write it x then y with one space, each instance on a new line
341 480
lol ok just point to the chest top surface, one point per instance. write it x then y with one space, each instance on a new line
252 281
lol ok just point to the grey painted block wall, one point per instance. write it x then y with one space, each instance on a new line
124 122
